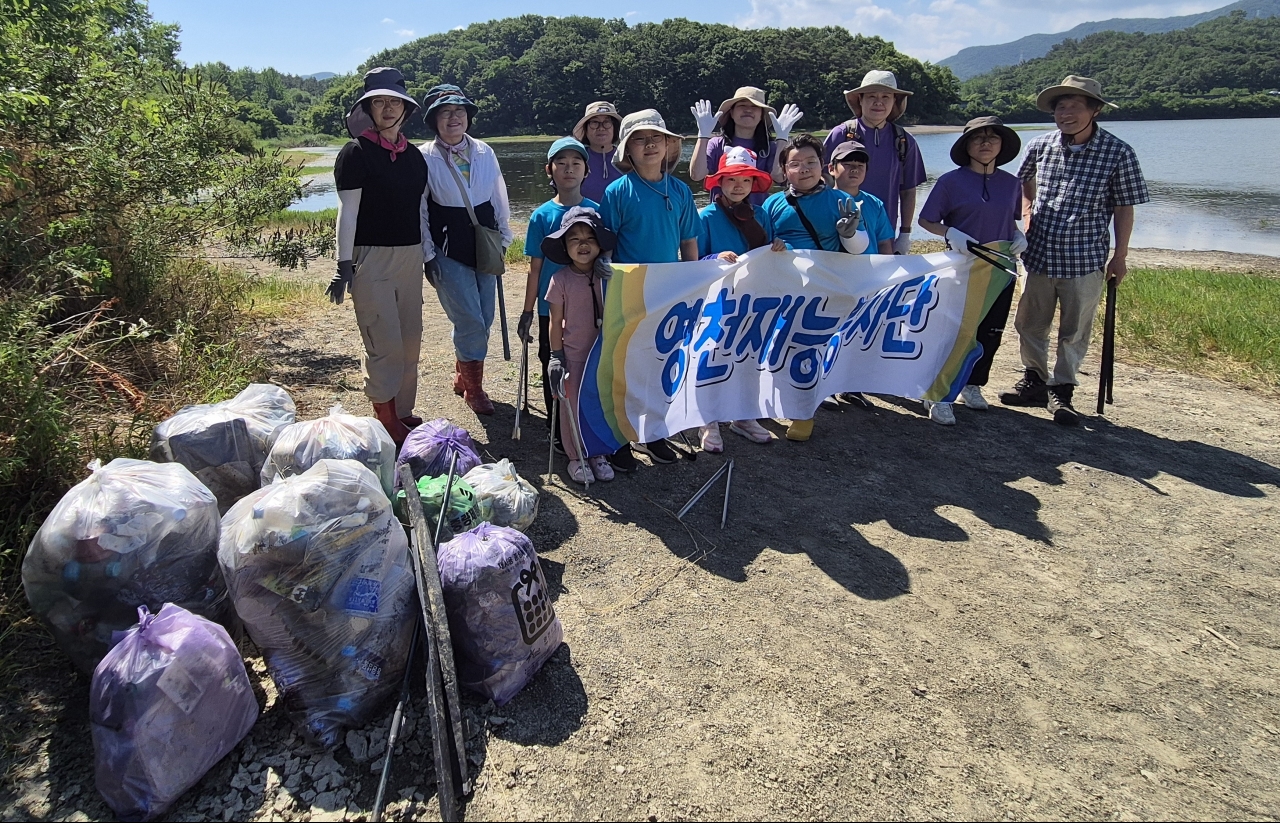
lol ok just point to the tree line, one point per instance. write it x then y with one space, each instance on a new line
1226 67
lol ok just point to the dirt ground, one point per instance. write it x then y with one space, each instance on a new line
1000 619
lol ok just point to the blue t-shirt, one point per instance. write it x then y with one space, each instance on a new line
718 232
546 220
822 209
874 219
649 225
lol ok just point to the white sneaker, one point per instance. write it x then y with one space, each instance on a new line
972 397
710 437
600 468
579 472
751 430
940 413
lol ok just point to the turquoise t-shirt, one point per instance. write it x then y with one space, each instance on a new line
649 225
546 220
718 233
822 209
874 219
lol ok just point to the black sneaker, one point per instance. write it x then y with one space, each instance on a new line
1029 391
855 398
623 460
556 445
1060 404
659 451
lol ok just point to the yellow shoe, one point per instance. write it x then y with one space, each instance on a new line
799 430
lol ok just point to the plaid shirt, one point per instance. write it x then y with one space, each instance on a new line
1076 196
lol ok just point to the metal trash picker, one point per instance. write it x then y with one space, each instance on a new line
1107 374
522 388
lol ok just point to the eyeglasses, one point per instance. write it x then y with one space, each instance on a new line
387 102
602 123
651 140
798 165
986 138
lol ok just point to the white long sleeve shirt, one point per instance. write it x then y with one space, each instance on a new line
486 184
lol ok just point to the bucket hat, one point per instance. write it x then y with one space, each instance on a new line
446 94
600 107
878 81
379 82
1010 143
1073 84
567 143
644 120
740 162
746 94
553 244
848 149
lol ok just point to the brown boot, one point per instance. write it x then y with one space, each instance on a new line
386 414
472 381
458 385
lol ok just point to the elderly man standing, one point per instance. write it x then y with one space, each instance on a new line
1075 182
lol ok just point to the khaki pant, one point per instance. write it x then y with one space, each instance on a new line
387 293
1041 297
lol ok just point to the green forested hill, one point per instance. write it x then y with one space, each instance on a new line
1221 68
535 74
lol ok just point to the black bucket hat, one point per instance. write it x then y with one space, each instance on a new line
379 82
447 94
553 244
1010 143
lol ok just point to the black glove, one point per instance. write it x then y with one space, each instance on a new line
431 271
524 329
556 372
341 282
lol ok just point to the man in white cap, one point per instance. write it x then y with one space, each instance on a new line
1076 182
894 166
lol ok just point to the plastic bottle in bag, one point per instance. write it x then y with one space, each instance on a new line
318 569
225 444
429 447
169 701
501 618
466 509
134 533
513 499
339 436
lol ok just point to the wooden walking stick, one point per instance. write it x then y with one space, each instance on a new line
1107 373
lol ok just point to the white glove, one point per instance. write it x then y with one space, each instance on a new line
785 122
706 118
959 241
1019 242
902 244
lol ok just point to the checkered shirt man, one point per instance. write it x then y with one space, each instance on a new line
1076 195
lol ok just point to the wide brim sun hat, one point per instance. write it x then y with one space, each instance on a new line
446 94
746 94
596 109
645 120
379 82
740 162
878 81
1010 143
1072 84
553 244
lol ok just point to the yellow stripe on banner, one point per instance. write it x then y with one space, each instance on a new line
624 309
978 299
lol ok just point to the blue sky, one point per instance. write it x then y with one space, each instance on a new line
337 35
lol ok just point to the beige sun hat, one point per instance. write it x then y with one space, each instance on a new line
1073 84
645 120
746 94
595 110
878 81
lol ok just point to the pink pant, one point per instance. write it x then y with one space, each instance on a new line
573 382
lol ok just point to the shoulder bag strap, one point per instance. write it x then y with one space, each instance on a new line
795 204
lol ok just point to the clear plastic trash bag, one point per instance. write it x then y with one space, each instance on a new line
134 533
503 624
169 701
318 569
513 499
225 444
428 448
339 436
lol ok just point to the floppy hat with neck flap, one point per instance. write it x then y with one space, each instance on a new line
379 82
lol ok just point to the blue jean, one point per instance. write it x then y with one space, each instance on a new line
468 299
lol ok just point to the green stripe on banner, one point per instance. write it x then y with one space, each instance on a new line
623 310
985 284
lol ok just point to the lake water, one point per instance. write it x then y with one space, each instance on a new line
1215 184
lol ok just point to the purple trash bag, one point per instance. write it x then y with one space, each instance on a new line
169 701
500 614
428 447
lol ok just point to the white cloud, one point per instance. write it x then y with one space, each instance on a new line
406 33
387 21
457 28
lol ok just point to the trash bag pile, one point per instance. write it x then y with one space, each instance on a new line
225 444
134 533
341 436
317 567
501 618
169 701
429 447
513 500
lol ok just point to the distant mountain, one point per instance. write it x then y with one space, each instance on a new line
320 75
977 60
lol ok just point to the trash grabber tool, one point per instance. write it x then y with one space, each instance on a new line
580 445
397 719
999 259
551 440
502 312
728 481
690 450
522 388
1107 373
698 494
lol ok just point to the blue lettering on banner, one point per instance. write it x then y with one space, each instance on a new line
788 333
